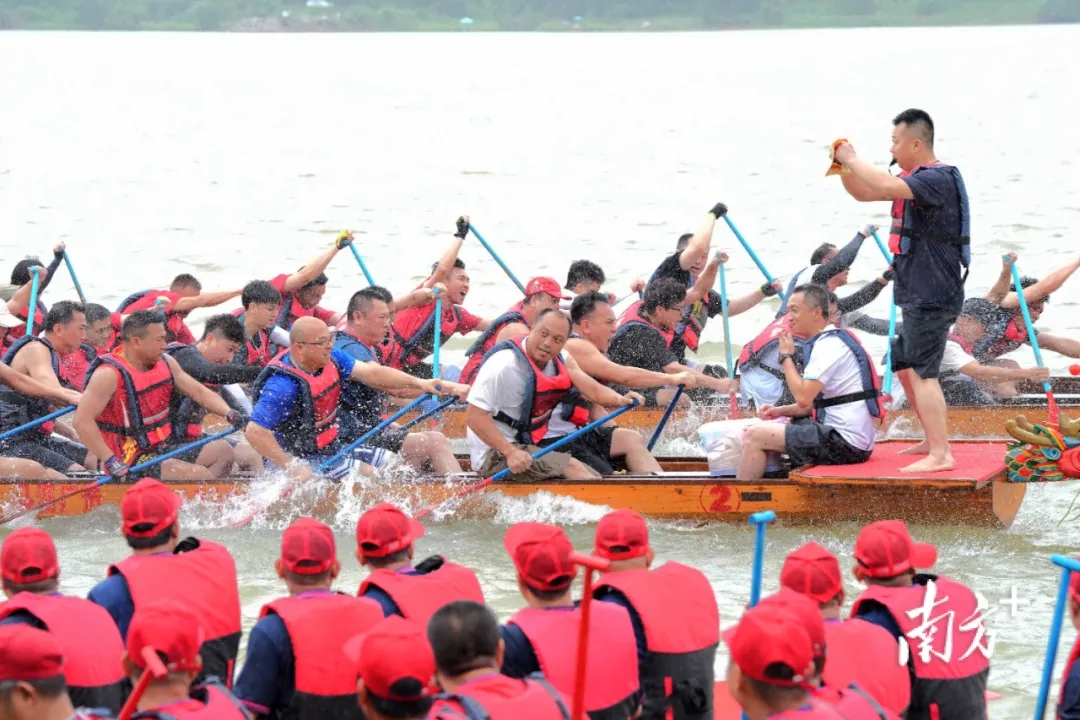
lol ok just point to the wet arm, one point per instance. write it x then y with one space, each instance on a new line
313 269
98 392
25 385
1000 288
1042 288
187 304
595 364
204 396
704 283
739 305
872 325
483 425
264 443
861 297
1064 346
195 364
699 243
871 184
50 271
590 388
446 263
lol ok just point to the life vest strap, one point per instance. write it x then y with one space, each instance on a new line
899 229
878 710
846 399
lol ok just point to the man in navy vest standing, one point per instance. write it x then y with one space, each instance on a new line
931 244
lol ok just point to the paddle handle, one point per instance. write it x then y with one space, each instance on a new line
438 336
420 418
31 310
40 421
888 353
577 711
759 520
360 261
74 278
881 246
1069 566
1034 340
753 255
370 434
733 408
664 419
496 257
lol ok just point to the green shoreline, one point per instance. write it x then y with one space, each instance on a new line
509 15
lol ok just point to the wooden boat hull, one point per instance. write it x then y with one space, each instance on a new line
686 490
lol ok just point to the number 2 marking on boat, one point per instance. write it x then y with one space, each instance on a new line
718 499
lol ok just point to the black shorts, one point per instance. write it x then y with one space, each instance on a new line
55 453
809 443
190 456
593 449
920 343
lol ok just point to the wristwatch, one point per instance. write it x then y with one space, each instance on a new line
787 356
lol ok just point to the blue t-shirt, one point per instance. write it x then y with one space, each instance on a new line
930 273
113 594
280 393
361 405
389 607
1069 702
519 658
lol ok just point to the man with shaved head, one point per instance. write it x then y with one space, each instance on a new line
296 399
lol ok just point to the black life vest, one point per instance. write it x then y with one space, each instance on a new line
902 233
256 349
634 316
187 415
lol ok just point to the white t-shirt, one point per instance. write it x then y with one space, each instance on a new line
500 387
834 365
955 357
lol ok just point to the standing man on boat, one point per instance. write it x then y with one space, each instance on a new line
296 663
297 396
514 397
385 538
541 294
837 399
90 641
262 303
949 667
164 567
124 415
412 338
367 320
543 637
593 325
931 246
674 615
645 339
39 358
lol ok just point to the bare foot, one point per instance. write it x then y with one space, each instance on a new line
931 464
922 448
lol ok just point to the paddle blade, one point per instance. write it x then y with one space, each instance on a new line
733 406
459 494
1052 408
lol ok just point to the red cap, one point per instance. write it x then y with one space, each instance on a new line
28 556
384 529
885 549
28 654
806 611
541 554
307 547
813 571
171 629
768 635
622 535
151 503
395 660
545 285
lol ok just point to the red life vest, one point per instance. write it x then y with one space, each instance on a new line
206 579
634 316
74 366
291 309
866 654
942 688
17 409
498 697
211 701
814 709
19 331
420 596
256 349
853 703
543 393
611 691
312 424
412 349
1073 655
968 347
176 330
486 342
678 610
325 685
903 233
871 383
753 354
1000 337
90 642
136 419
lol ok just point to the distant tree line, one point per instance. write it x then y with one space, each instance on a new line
391 15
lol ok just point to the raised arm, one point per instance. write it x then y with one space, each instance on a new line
1000 288
1043 287
705 280
739 305
866 183
863 296
702 238
446 262
317 265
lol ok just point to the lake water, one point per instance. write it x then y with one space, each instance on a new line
240 156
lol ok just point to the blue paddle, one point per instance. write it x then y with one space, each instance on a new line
437 328
496 257
664 419
887 390
753 255
1069 566
31 310
74 278
759 520
35 423
733 410
132 472
505 472
1052 408
438 408
360 261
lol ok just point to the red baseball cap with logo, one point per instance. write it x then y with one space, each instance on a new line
806 611
541 554
885 549
547 286
308 547
622 535
28 556
771 645
151 503
384 529
395 660
813 571
28 654
171 629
